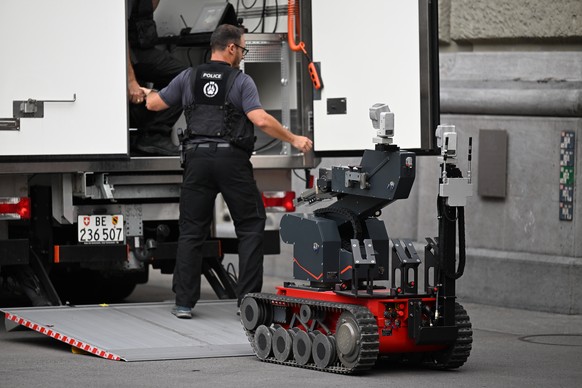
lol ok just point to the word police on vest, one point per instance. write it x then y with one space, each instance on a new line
212 76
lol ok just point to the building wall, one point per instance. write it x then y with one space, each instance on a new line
517 67
511 21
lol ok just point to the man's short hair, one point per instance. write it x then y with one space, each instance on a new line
224 35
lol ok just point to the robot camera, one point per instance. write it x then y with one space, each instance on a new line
383 121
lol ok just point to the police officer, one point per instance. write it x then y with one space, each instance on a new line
221 106
147 64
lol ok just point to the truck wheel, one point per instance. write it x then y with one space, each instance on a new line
26 282
118 289
82 286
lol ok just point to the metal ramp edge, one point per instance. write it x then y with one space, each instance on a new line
141 331
58 336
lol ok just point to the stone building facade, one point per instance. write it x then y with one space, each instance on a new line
514 69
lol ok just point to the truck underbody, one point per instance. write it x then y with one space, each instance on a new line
43 259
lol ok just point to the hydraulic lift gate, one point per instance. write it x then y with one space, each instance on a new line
141 331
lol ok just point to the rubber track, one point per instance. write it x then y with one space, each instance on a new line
459 353
367 324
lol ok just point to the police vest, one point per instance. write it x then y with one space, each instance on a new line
141 27
211 115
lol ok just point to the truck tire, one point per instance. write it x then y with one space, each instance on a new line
83 286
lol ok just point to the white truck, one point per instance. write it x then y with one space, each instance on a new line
81 219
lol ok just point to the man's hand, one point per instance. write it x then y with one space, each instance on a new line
135 92
153 100
302 143
273 128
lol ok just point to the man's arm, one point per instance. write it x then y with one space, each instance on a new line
273 128
134 92
153 100
171 95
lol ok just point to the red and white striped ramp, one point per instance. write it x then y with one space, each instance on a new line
141 331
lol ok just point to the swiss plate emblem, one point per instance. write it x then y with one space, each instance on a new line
114 220
86 221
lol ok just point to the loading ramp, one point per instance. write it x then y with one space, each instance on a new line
140 331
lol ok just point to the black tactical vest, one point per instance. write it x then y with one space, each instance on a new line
141 27
211 115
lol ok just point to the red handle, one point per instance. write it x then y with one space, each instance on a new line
314 76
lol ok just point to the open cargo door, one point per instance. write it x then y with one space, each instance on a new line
375 51
63 79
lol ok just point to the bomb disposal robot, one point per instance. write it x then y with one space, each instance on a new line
341 321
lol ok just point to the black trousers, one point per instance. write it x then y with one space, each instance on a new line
209 170
159 68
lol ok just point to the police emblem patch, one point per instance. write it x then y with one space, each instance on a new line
210 89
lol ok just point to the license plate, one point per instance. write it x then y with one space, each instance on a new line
100 229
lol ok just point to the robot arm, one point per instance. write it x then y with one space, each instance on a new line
384 175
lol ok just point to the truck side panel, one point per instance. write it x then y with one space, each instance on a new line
65 78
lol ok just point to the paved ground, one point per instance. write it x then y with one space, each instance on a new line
512 348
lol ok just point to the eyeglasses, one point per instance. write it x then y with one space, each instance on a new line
244 49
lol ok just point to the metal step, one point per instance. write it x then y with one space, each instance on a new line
141 331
